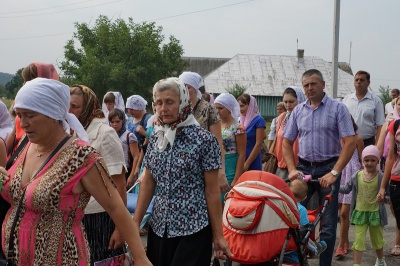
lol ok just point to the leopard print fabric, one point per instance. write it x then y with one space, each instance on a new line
49 229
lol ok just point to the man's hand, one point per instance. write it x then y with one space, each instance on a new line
294 174
327 180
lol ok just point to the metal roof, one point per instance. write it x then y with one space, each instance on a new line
270 75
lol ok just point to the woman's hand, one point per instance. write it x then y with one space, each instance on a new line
221 248
4 175
140 130
381 195
116 240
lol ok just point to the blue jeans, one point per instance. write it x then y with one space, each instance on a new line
330 217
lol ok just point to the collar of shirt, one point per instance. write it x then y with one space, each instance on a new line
353 96
323 101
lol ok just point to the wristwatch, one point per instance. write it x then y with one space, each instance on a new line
335 173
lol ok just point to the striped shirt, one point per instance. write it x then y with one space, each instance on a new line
320 130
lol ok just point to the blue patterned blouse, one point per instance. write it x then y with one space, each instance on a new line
180 206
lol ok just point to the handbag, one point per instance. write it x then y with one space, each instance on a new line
11 254
269 160
125 259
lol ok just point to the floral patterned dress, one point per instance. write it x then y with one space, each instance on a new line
50 231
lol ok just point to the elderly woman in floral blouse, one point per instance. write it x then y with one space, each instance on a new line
183 162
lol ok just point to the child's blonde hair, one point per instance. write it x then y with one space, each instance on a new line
299 189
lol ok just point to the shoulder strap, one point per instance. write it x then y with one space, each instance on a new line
15 155
143 118
11 254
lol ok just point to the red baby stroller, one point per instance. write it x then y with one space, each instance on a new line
261 221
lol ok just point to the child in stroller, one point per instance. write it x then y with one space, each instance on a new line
261 222
299 189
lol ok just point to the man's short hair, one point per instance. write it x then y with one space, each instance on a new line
396 91
311 72
362 72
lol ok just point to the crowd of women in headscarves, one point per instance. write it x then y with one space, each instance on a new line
186 156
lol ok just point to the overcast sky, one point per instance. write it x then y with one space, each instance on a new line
38 30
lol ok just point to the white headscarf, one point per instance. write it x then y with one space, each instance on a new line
50 98
194 80
136 102
166 133
230 103
6 126
118 103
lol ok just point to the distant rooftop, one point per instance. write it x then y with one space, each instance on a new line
270 75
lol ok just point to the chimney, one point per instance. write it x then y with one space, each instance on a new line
300 55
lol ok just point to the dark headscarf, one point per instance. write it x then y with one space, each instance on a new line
91 106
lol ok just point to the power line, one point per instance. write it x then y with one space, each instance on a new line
34 37
203 10
39 9
50 13
183 14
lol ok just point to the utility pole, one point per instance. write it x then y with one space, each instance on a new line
335 50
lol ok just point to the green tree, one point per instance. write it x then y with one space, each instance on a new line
120 56
12 87
385 94
236 90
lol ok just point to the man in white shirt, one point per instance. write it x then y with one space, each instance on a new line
394 93
366 109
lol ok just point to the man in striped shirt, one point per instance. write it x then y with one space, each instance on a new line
320 123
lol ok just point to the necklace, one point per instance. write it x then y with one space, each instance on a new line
40 154
369 176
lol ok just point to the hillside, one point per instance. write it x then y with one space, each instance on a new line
5 77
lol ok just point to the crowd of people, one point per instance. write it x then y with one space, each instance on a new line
68 160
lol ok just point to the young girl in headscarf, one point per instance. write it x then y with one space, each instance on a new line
233 137
292 96
366 211
117 120
254 124
112 100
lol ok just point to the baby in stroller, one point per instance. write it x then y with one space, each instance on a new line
299 189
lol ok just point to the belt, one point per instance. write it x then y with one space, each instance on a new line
307 163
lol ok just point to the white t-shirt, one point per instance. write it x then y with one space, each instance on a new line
388 108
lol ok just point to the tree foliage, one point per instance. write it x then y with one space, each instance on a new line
12 87
236 90
385 94
120 56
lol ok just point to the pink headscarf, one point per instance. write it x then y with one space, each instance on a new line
46 71
371 150
252 112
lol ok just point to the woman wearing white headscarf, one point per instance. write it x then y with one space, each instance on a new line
207 117
112 100
233 137
50 230
136 107
182 161
292 96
